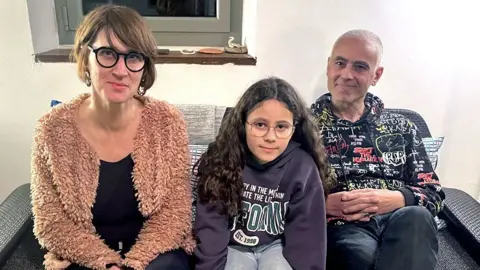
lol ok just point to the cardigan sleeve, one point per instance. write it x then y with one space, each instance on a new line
53 229
169 227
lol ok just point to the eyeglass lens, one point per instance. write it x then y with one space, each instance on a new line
108 58
282 131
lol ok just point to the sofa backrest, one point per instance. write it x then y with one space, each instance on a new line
203 122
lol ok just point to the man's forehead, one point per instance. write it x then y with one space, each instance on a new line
354 50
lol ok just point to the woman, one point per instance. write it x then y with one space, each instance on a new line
110 178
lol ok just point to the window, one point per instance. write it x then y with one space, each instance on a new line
173 22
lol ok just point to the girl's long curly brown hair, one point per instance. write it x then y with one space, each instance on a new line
220 167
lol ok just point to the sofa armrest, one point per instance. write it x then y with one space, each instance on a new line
463 211
15 218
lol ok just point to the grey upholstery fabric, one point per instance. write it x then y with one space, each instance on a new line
452 255
200 121
203 121
14 214
18 247
27 255
463 211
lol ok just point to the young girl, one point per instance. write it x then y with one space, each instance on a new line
261 186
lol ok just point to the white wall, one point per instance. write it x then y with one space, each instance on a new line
429 68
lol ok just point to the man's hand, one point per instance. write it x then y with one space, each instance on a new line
364 206
362 203
385 200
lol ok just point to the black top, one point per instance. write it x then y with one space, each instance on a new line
115 213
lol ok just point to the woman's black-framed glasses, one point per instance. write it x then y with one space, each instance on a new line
108 58
261 128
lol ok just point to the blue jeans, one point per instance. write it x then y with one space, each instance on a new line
403 239
266 257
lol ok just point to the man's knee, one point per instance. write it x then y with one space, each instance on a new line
362 251
413 215
352 251
413 224
408 230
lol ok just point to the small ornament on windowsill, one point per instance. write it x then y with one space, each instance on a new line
235 47
210 51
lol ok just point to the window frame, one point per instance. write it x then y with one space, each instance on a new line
168 31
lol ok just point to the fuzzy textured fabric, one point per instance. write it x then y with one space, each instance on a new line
64 180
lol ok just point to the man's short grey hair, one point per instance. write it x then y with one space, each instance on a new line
366 36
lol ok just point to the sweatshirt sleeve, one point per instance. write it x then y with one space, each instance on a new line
212 232
53 229
170 226
422 184
305 229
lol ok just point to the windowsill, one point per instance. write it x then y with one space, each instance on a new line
62 55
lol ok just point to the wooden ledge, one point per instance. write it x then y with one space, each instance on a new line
62 55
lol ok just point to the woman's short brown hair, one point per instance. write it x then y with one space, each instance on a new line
126 25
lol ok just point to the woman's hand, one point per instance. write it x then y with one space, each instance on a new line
114 268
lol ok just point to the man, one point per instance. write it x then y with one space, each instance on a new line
381 212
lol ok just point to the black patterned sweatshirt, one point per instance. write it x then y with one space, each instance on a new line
382 150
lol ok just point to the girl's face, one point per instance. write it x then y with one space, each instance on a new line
269 128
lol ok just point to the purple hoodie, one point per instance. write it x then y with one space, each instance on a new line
282 199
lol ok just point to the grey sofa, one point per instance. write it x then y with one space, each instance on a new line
459 225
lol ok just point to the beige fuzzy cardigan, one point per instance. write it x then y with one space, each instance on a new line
64 180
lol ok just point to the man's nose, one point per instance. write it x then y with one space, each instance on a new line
347 73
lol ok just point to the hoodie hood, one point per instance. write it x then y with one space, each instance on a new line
322 111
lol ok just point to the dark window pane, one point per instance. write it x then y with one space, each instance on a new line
162 8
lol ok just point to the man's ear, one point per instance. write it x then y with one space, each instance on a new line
378 75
